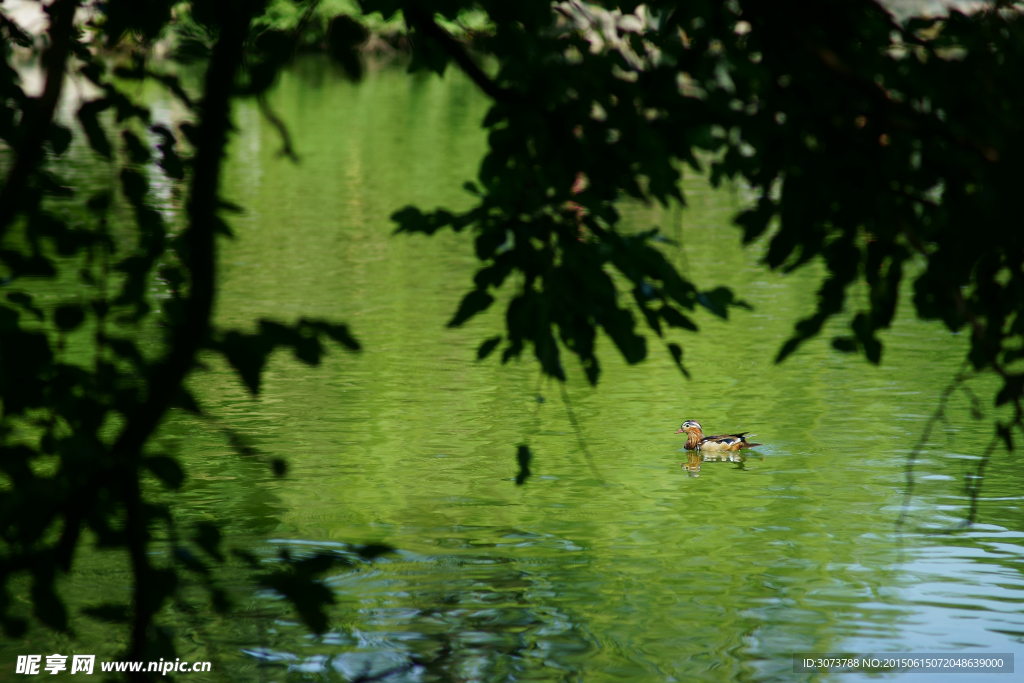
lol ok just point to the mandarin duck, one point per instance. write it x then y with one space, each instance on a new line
696 441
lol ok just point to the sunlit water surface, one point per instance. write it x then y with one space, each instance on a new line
611 562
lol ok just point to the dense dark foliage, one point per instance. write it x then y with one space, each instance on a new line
873 146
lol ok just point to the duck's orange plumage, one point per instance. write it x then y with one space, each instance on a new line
696 441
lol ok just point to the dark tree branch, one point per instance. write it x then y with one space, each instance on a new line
457 51
38 114
975 481
938 416
199 255
900 115
271 116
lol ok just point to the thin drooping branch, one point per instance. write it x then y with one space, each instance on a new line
273 119
457 51
199 255
974 481
39 113
938 416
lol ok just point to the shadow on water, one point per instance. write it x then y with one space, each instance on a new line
486 619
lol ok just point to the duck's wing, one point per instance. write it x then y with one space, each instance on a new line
742 436
729 441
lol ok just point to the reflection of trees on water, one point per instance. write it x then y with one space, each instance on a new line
419 618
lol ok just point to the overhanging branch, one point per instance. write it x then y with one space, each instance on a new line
39 113
457 51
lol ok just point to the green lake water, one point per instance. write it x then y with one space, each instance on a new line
611 562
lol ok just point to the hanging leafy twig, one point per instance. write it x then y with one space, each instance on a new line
35 125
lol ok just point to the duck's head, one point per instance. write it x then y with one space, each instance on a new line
687 426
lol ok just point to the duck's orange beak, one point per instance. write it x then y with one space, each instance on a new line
679 431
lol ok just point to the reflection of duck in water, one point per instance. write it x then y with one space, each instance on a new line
696 441
692 464
695 458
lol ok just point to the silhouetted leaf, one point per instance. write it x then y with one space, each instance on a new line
14 32
161 583
523 457
207 536
297 582
99 202
169 160
336 332
60 139
718 301
166 469
677 355
247 354
109 613
1006 435
48 607
137 151
845 344
279 467
186 401
373 550
487 347
190 50
220 601
344 36
473 303
68 317
676 319
88 115
187 559
248 558
24 301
